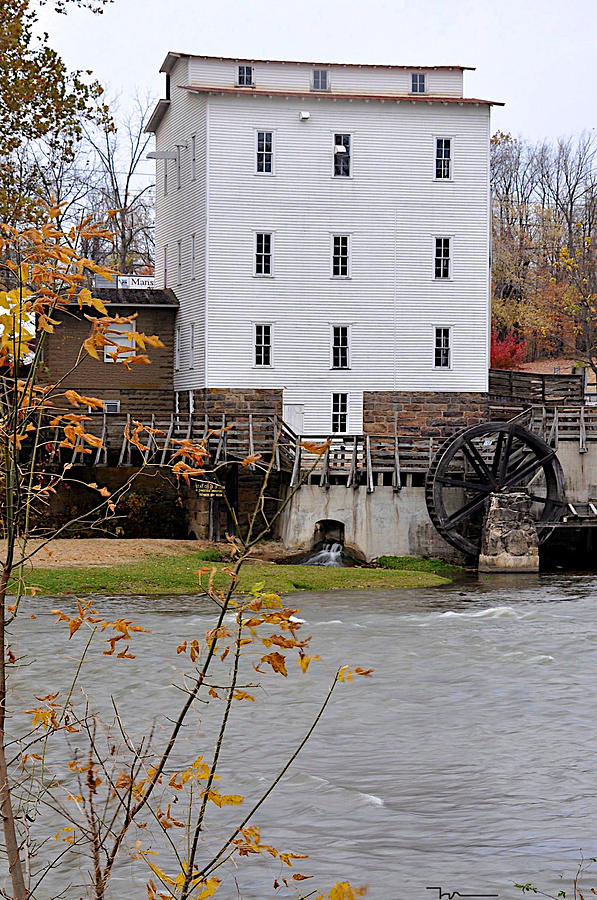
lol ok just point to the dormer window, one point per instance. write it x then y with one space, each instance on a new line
245 76
417 84
321 81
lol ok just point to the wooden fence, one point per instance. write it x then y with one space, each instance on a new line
533 388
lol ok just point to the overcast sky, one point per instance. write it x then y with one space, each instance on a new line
538 56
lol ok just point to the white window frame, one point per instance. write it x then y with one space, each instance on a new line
327 80
254 326
271 131
165 265
443 137
348 235
434 330
257 274
193 256
179 262
108 412
245 65
418 75
192 346
177 348
346 368
193 157
351 170
121 340
347 395
450 238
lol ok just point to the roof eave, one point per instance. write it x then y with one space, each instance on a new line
157 116
171 58
330 95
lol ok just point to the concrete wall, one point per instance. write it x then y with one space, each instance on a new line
384 523
580 470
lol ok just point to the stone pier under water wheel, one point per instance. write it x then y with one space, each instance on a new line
494 458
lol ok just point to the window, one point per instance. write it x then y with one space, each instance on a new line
443 158
245 76
417 83
177 349
442 355
342 155
193 257
166 266
178 167
265 152
194 157
340 358
120 334
442 257
179 263
263 345
192 347
110 407
339 412
320 80
340 259
263 253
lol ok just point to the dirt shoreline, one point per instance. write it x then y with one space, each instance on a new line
104 552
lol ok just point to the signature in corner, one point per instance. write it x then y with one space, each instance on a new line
450 895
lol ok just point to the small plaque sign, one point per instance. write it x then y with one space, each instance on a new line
210 489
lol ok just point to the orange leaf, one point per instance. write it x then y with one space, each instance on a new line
277 662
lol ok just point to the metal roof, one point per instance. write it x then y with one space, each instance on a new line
332 95
171 58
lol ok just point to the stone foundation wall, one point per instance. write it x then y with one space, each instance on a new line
231 401
422 413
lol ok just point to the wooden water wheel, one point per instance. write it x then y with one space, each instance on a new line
486 459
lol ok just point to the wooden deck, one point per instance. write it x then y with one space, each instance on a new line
354 460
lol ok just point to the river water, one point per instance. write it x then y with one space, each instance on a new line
467 761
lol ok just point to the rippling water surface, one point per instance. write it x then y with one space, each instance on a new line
466 762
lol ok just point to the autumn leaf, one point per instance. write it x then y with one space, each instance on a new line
277 662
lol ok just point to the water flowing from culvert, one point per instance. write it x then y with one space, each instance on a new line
466 761
329 555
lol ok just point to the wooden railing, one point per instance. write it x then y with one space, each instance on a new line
534 388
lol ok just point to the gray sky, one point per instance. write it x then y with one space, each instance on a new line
536 55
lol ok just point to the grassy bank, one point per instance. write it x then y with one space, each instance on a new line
177 575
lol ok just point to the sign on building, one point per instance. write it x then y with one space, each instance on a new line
136 282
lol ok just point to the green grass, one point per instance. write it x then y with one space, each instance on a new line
415 564
177 575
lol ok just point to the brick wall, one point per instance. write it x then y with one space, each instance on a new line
422 413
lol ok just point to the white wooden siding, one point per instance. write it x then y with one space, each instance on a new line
294 76
392 207
180 214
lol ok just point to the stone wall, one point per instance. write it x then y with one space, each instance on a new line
422 413
232 401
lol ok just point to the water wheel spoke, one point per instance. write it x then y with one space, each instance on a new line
504 457
478 463
528 469
497 456
450 481
465 511
538 499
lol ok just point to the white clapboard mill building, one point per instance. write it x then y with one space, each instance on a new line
326 229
